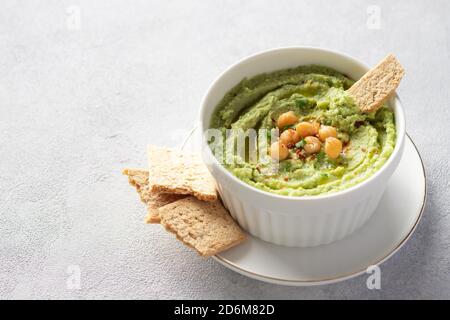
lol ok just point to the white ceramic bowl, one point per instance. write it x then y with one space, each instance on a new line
297 221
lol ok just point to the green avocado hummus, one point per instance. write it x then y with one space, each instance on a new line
314 94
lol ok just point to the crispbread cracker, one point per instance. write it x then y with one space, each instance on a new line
139 179
205 226
377 85
180 172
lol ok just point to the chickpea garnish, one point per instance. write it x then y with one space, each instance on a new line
289 136
286 119
327 131
333 147
305 129
312 145
279 151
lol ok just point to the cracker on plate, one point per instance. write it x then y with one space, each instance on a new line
377 85
205 226
180 172
139 179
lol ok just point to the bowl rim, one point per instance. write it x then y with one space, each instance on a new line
399 115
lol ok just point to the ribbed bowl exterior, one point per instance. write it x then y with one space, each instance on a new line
306 230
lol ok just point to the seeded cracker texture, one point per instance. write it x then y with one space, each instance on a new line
205 226
180 172
377 85
139 179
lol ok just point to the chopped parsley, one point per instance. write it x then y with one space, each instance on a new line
287 165
302 103
289 127
320 157
300 144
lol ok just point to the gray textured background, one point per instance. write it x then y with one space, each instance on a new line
80 102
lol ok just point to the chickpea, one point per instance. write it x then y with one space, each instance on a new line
305 129
279 151
289 136
316 125
327 131
312 145
333 147
287 119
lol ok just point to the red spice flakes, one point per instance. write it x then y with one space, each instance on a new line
300 154
359 124
290 145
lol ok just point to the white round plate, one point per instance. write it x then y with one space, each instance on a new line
384 234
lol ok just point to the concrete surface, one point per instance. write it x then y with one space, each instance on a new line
86 85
